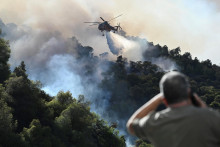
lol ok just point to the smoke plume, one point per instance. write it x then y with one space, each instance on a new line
134 49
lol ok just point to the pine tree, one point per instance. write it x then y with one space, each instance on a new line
4 57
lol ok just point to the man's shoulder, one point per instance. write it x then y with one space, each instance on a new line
188 111
211 113
182 114
205 111
183 119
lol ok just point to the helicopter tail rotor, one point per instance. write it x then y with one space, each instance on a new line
118 27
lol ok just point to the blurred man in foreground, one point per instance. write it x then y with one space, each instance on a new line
187 122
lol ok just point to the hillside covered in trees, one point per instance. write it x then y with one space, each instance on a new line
31 117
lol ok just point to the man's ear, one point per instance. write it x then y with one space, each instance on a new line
165 101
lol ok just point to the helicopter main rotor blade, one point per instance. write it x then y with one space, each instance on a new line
102 18
115 17
93 22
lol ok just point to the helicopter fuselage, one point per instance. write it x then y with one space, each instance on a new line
105 26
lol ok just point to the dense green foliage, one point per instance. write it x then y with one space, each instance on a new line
141 143
204 76
30 117
4 56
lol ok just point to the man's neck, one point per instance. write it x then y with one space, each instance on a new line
180 104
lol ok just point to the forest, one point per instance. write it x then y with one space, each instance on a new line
31 117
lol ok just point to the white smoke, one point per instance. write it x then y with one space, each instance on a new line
165 63
60 76
59 63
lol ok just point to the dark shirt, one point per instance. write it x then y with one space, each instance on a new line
186 126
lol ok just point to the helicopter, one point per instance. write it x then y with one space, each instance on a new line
105 25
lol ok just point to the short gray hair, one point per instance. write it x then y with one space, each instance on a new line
174 86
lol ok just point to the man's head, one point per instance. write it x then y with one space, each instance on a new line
175 87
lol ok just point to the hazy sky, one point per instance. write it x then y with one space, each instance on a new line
191 24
